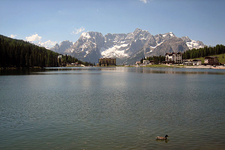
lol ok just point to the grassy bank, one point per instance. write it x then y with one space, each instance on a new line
156 66
161 66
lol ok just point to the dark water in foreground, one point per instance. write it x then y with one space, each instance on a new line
112 108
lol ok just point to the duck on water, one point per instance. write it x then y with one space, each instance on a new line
162 138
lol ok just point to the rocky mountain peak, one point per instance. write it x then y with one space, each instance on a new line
186 39
64 43
85 35
137 31
90 35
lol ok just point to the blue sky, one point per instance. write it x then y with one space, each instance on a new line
50 21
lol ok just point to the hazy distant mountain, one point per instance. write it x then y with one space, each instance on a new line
62 47
127 48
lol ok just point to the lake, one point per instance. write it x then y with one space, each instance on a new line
112 108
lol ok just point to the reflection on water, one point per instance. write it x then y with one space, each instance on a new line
149 70
180 71
98 70
112 108
166 141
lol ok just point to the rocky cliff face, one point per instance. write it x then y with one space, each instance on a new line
173 44
128 48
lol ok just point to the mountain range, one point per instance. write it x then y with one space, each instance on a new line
127 48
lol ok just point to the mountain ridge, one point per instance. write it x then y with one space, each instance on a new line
93 45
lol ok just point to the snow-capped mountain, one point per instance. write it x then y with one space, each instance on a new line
124 45
128 48
192 43
87 47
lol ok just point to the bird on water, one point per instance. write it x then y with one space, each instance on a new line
162 138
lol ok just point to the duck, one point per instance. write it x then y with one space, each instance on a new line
162 138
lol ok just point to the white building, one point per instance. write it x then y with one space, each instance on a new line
146 62
175 58
197 62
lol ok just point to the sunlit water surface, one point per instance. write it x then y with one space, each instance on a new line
112 108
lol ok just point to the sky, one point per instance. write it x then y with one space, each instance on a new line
47 22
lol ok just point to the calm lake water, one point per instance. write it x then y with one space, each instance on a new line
112 108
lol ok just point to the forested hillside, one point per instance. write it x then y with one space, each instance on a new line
202 52
21 54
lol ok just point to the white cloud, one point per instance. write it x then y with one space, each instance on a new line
144 1
47 44
77 31
33 38
36 39
13 36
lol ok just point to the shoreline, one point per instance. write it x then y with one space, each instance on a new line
205 67
147 66
184 66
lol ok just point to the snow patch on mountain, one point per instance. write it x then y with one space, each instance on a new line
69 51
158 44
87 52
194 44
171 34
86 35
114 51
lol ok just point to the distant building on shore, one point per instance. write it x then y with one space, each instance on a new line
210 60
174 58
197 62
146 62
190 62
107 62
138 62
59 60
